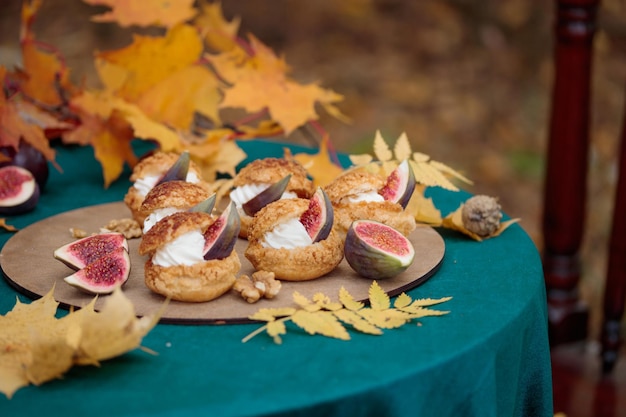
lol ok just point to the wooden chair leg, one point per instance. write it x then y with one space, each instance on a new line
566 173
615 287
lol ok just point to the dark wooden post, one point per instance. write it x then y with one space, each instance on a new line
566 168
615 288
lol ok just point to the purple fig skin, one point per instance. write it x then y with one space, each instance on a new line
19 192
82 252
26 156
222 235
178 171
103 275
205 206
370 246
269 195
319 217
400 184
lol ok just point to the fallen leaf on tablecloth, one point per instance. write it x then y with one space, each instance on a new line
321 315
423 209
454 221
36 347
6 226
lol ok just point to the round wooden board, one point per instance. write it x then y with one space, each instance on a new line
29 266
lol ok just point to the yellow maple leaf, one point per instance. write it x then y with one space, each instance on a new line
219 34
144 12
320 165
259 81
138 67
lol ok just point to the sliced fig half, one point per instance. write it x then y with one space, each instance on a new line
318 218
377 251
221 236
205 206
19 191
103 275
269 195
400 184
178 171
82 252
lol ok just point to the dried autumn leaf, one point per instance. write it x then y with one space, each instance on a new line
381 149
355 320
348 301
36 347
7 227
386 319
144 12
379 300
454 221
423 209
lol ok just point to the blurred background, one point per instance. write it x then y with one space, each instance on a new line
467 81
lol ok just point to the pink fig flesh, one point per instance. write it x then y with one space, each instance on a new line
19 191
82 252
318 218
103 275
400 184
221 236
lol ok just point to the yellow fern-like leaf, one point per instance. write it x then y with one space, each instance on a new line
359 160
320 322
403 300
379 300
348 301
386 319
355 320
325 302
269 314
304 302
275 329
402 148
424 302
381 149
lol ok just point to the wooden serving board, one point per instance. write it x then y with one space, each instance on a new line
29 266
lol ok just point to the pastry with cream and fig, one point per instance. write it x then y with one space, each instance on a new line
360 194
157 168
170 197
263 181
295 238
191 256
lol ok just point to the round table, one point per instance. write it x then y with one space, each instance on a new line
488 357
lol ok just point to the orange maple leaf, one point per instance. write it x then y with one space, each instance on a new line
126 13
259 81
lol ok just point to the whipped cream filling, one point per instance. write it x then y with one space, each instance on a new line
187 249
145 184
367 196
288 235
157 215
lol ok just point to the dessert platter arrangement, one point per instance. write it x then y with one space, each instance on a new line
218 259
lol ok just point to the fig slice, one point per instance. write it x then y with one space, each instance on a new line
400 184
178 171
80 253
103 275
318 218
269 195
19 191
205 206
377 251
221 236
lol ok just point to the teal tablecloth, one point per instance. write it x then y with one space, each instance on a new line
488 357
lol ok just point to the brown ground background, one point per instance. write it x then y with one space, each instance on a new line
468 81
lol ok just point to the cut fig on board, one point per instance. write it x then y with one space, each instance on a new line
82 252
205 206
221 236
400 184
178 171
318 218
377 251
19 191
269 195
103 275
